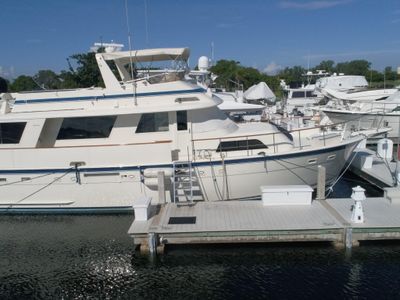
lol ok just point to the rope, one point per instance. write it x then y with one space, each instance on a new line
214 179
330 189
42 188
292 172
32 178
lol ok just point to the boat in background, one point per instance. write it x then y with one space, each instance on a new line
342 83
364 115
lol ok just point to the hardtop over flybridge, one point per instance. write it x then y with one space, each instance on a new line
98 149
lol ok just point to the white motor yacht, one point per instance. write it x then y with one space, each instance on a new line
99 149
302 99
379 113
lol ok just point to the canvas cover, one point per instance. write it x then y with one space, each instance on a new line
342 83
147 55
259 91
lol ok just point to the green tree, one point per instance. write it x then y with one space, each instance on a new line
232 75
87 72
248 76
3 85
23 83
293 76
374 76
67 80
327 65
390 74
47 79
227 73
354 67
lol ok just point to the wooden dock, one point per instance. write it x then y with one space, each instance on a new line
250 221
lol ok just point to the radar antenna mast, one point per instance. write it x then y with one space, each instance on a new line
130 52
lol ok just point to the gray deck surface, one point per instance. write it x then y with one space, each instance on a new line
378 212
240 216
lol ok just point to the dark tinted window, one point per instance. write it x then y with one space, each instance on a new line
10 133
240 145
310 94
299 94
181 119
86 128
153 122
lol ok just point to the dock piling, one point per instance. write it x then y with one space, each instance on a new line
321 183
161 187
152 242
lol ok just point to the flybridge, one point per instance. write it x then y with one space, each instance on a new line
126 77
124 60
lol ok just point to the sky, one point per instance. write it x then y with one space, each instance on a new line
264 34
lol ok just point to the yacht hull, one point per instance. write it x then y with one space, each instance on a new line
113 189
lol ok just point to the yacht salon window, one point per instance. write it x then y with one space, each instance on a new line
240 145
298 94
181 119
10 133
153 122
86 128
310 94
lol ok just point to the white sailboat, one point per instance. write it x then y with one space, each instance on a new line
98 149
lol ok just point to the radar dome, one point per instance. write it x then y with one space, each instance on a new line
203 63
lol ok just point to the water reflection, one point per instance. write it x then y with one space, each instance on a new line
92 257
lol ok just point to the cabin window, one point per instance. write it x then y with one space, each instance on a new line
240 145
153 122
11 133
310 94
181 119
298 94
86 128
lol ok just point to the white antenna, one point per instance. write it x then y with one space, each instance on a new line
212 53
146 23
130 51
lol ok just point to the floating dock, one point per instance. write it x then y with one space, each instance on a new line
378 171
251 221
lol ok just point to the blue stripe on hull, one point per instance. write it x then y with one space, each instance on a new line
196 164
107 97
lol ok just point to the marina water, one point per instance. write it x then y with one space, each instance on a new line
69 257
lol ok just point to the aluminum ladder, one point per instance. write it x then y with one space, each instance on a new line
183 181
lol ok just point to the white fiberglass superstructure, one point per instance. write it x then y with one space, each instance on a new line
378 113
99 149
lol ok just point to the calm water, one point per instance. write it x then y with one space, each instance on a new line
74 257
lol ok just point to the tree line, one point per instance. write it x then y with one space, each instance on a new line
83 72
231 74
389 77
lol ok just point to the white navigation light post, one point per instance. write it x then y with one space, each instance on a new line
358 195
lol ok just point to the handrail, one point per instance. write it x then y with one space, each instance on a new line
298 141
271 133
